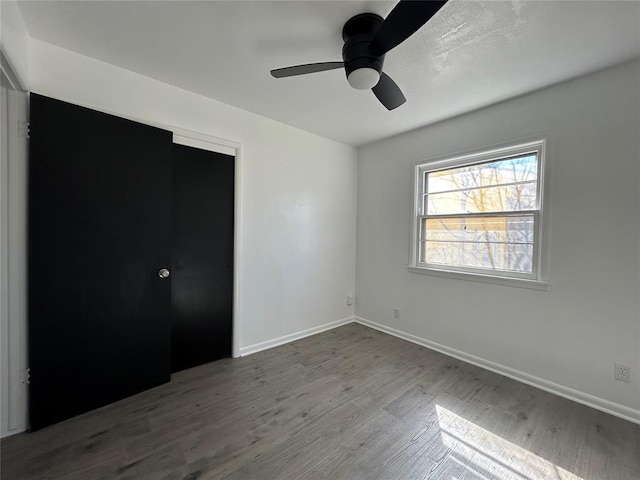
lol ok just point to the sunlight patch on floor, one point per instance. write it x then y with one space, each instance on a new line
484 455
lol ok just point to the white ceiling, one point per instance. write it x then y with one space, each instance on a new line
471 54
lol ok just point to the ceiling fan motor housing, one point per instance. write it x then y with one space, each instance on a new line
357 34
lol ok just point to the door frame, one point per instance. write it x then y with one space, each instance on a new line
13 253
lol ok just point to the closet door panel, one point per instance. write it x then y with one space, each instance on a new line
99 232
202 254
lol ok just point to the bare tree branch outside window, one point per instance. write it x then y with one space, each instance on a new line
481 215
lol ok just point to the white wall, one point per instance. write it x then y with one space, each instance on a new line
566 339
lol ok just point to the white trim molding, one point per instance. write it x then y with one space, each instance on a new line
204 142
476 277
13 272
258 347
583 398
9 73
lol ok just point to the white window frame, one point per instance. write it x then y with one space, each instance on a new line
537 278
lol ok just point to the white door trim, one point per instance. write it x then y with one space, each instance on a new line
13 253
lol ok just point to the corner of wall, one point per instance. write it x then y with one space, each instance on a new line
15 41
604 405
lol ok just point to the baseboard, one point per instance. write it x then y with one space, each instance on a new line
592 401
258 347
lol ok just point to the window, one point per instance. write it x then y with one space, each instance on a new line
481 214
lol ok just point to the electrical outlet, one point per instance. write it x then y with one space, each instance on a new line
349 298
622 372
396 312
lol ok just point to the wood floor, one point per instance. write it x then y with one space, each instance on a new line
351 403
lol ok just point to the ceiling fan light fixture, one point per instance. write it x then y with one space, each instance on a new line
364 78
367 39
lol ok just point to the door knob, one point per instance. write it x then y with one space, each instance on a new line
163 273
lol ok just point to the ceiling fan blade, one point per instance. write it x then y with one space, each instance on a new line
388 92
306 68
402 22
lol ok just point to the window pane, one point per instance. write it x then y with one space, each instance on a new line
510 170
495 243
514 197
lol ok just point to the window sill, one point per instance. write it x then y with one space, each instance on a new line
474 277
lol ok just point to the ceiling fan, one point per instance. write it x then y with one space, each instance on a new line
367 38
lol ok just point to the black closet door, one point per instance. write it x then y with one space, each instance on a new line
202 277
99 232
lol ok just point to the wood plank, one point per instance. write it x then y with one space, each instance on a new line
350 403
